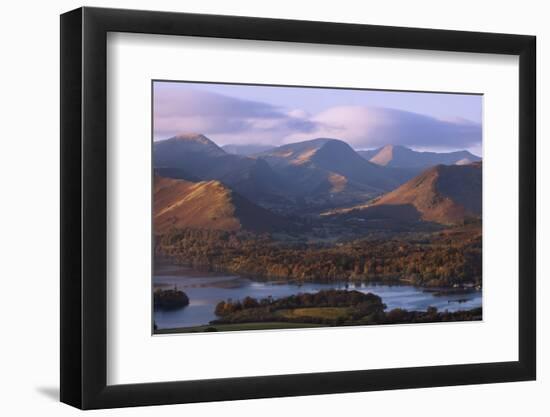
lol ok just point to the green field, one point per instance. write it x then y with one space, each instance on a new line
316 312
237 326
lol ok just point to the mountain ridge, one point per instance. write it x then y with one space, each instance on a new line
316 174
208 205
200 158
444 194
398 156
245 150
326 157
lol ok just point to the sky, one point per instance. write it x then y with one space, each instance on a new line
274 115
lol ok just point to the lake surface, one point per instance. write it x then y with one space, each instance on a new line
205 290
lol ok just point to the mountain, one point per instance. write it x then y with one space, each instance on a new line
245 150
207 205
295 178
327 166
169 149
179 173
466 161
445 194
194 156
401 157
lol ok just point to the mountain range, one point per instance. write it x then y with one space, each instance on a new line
319 172
200 185
328 165
401 157
195 157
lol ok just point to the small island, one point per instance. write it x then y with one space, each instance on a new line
170 299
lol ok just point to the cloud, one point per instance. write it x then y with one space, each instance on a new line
180 109
369 127
229 119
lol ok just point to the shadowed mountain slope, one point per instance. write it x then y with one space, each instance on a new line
200 158
246 150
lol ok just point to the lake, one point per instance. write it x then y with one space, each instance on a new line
205 290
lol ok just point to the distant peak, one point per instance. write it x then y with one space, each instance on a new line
316 141
295 148
384 156
196 137
327 140
395 148
331 145
332 141
464 161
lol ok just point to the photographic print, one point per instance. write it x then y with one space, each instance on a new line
284 207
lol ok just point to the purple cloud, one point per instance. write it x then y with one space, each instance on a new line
369 127
181 108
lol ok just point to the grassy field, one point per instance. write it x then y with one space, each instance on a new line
317 312
295 313
238 326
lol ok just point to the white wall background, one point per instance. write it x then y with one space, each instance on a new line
29 237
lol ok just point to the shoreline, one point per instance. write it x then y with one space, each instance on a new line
162 269
252 326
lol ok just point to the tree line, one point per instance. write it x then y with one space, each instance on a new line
444 258
349 308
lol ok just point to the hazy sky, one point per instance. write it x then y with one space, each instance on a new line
241 114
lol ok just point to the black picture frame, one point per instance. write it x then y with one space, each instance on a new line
84 207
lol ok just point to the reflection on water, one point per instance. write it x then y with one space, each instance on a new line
205 290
